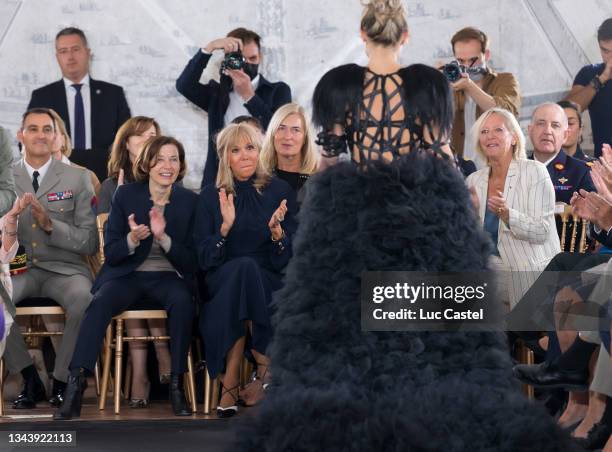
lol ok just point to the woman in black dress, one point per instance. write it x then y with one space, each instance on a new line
243 236
289 151
400 204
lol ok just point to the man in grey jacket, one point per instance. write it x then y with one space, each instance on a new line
57 229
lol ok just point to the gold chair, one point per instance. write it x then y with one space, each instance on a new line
212 385
35 308
575 224
116 342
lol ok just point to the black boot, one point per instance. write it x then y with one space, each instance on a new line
73 398
33 390
57 394
177 396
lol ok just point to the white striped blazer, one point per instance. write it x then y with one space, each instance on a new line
530 240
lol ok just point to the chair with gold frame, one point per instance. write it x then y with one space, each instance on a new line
116 341
572 227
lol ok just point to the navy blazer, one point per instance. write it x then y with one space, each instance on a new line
268 98
136 199
109 110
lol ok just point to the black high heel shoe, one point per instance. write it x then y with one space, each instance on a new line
230 410
177 396
73 398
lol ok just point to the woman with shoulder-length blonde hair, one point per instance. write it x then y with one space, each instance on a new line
516 202
243 232
289 149
227 139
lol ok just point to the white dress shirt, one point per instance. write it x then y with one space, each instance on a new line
549 160
86 95
41 171
236 103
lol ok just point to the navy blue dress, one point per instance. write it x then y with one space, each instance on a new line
243 269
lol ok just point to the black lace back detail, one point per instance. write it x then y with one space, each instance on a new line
378 126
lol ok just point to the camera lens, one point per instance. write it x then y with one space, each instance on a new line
452 71
233 60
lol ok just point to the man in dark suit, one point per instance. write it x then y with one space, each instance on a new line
239 92
93 110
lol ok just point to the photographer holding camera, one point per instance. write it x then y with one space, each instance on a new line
240 91
477 88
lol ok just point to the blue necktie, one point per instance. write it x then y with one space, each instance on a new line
79 118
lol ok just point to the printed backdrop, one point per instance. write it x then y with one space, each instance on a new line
144 44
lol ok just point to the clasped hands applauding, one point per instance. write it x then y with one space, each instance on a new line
9 231
597 207
497 205
39 213
228 213
140 232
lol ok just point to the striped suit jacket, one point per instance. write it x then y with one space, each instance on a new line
528 243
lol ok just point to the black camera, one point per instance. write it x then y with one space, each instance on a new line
453 71
233 60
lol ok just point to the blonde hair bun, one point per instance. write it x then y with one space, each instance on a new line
384 21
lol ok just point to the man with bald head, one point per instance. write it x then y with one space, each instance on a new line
548 131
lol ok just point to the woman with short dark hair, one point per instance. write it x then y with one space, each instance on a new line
129 142
149 254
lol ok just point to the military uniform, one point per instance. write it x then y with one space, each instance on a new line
55 265
569 175
580 155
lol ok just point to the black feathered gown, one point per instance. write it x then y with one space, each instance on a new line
339 388
336 387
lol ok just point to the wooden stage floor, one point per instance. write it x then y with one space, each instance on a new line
154 428
157 410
